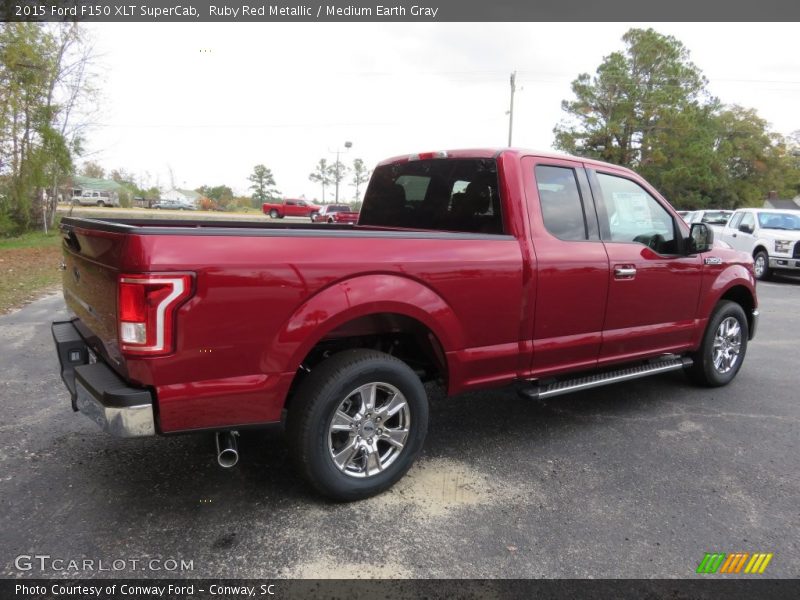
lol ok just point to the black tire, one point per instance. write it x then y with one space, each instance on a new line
330 220
330 386
704 371
273 214
100 204
761 266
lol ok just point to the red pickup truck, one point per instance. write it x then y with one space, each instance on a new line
289 207
475 269
335 213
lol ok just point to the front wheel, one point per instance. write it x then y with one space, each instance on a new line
357 424
724 345
761 265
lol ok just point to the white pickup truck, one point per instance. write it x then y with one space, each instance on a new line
771 236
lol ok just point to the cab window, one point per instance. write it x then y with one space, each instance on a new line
561 204
634 216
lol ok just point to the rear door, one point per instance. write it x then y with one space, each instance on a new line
572 266
654 288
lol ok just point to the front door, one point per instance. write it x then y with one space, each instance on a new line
654 287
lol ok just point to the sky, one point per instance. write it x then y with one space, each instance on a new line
202 104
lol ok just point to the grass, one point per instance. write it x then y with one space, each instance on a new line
28 268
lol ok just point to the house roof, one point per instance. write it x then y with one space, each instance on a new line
90 183
784 204
191 194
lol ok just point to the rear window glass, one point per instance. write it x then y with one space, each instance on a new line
439 194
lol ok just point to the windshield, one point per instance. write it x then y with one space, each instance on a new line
788 221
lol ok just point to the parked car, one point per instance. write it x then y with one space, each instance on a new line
715 218
289 207
474 269
770 236
85 197
173 205
686 215
334 213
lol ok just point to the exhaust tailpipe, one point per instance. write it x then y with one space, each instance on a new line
227 449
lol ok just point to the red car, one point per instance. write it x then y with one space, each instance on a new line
289 207
335 213
472 269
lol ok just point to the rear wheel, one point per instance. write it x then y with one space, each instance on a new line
761 265
100 203
357 424
273 214
724 346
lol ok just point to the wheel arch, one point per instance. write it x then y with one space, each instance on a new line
377 308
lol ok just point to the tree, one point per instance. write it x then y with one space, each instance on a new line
635 96
221 195
360 175
92 169
338 172
647 108
263 184
322 175
44 70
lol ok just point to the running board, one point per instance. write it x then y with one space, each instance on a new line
567 386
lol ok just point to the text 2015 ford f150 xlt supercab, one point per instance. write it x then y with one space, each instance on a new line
477 269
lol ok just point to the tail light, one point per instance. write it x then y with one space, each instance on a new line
146 311
427 156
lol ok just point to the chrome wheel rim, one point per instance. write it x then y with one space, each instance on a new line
727 345
369 429
760 265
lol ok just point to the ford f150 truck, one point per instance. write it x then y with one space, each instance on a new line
771 236
472 268
290 207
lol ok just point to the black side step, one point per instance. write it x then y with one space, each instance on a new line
566 386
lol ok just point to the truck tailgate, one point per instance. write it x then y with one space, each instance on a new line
91 266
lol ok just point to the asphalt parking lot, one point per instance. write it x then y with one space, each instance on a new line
635 480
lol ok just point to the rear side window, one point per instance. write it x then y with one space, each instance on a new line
562 209
439 194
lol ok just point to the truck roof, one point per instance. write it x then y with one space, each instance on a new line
496 152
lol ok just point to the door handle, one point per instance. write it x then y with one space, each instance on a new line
624 272
733 234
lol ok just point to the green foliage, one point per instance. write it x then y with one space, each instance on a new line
360 175
221 196
35 150
647 108
322 175
263 185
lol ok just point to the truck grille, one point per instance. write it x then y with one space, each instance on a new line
796 250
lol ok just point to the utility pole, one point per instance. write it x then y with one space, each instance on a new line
511 106
338 166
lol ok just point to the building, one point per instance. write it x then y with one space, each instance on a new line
773 201
187 197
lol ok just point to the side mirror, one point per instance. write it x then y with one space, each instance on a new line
746 228
701 238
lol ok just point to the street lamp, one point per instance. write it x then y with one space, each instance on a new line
347 146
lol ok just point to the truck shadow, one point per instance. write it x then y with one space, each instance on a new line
177 473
